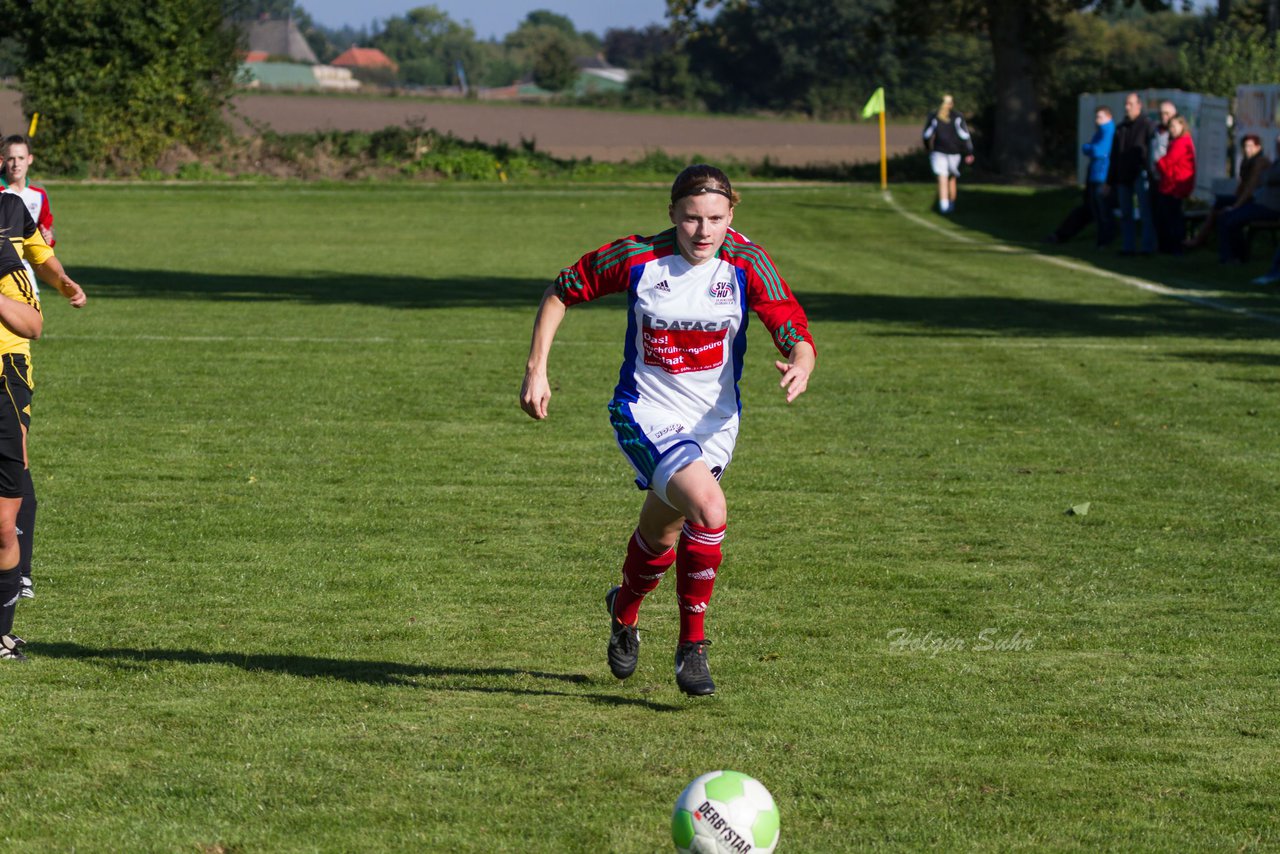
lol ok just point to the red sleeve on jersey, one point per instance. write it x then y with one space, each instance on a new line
768 295
608 269
45 220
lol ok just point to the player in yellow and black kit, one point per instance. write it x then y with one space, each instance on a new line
20 321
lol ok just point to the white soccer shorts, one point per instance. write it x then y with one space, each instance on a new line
658 443
944 164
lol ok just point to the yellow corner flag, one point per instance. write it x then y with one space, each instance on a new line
35 120
875 104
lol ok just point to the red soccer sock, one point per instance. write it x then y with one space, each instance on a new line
642 571
697 560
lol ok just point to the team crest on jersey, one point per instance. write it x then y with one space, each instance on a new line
722 293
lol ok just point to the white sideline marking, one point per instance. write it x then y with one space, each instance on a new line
1196 297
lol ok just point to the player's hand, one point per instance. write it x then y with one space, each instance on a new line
73 292
968 160
795 379
535 393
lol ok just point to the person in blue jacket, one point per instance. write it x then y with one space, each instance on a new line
1097 206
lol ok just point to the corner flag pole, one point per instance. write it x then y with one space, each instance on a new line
884 161
35 120
875 104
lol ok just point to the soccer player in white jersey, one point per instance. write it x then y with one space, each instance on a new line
16 157
675 409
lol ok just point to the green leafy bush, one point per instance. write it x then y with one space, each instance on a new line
118 84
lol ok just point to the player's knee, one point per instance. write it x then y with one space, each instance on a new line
658 540
708 508
8 533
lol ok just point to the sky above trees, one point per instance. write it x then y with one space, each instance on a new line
492 18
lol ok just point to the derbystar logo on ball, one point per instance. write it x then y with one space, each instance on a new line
725 812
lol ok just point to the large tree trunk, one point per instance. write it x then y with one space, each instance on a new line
1018 140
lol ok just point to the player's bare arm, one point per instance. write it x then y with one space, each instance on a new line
52 272
535 392
797 370
21 319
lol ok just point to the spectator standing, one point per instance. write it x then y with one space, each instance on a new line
1265 205
1252 167
1096 205
948 139
1177 171
1159 146
1127 177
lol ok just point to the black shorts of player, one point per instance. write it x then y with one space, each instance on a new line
15 417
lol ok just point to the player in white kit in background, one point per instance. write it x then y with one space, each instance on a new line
16 153
675 409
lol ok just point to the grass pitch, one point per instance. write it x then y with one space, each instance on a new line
308 580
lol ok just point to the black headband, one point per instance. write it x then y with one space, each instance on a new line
702 190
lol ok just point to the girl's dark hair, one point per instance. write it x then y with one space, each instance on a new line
700 179
1252 137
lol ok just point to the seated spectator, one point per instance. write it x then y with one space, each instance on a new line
1252 166
1096 206
1177 172
1264 206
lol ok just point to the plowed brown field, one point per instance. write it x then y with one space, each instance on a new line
565 132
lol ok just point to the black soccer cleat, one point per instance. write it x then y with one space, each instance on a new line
624 642
11 648
692 675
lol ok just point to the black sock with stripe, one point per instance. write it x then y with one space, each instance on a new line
27 524
10 587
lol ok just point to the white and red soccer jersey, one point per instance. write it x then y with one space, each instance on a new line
686 331
37 202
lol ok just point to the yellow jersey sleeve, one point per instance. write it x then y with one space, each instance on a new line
35 249
17 286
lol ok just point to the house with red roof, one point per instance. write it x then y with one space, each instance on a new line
365 57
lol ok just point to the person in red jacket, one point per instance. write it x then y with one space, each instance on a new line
1177 179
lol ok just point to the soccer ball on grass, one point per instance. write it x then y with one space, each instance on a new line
725 812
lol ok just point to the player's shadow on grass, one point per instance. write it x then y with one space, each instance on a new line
996 316
484 680
1266 360
316 288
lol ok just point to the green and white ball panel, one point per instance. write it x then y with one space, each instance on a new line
725 812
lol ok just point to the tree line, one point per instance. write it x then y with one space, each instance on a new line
1014 66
